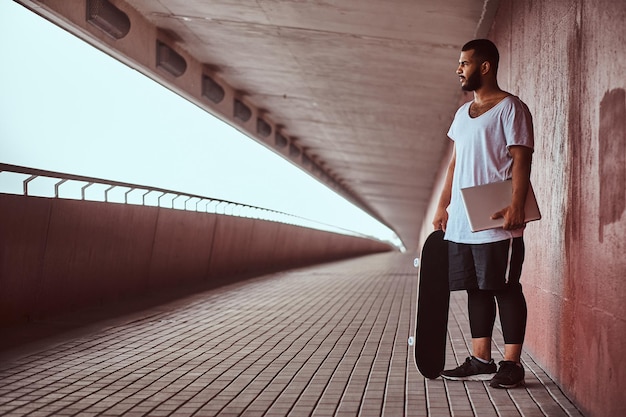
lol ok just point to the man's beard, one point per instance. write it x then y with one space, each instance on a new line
473 82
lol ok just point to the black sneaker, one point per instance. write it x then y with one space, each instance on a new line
510 375
471 370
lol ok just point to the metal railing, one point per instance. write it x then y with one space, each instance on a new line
40 183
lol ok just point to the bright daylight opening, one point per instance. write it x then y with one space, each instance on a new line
67 107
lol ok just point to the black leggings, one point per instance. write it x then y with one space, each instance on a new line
513 312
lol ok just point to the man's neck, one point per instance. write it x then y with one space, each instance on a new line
485 99
488 93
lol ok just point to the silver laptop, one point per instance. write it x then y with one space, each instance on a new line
484 200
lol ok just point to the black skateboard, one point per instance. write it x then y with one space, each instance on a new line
432 306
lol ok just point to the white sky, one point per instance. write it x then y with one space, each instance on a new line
65 106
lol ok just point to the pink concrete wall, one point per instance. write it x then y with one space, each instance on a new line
63 255
566 60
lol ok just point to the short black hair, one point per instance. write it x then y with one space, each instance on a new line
484 50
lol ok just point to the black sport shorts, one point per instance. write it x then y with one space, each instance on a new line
487 266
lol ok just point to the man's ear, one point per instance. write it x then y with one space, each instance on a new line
485 67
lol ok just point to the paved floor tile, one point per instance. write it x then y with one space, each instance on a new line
324 341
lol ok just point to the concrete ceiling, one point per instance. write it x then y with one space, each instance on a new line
362 90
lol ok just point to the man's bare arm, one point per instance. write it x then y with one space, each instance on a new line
440 221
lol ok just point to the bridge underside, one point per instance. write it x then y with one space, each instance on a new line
335 111
359 94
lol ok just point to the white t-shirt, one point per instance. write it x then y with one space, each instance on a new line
482 157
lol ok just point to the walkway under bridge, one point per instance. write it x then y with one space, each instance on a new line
328 340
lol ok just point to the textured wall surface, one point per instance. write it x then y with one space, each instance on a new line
63 255
566 60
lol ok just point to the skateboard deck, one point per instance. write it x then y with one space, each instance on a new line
432 306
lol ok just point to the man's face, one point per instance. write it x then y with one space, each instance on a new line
469 71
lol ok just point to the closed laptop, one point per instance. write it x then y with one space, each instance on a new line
482 201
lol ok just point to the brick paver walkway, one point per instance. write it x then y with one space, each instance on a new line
322 341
